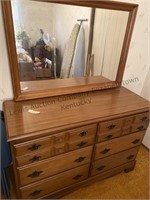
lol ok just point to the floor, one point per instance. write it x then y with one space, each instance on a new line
132 185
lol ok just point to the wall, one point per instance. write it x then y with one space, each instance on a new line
6 91
137 72
137 66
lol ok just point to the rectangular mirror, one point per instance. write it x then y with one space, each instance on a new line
64 47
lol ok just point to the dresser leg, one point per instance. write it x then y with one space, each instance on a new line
131 168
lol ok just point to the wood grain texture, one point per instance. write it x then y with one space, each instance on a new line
113 161
117 145
53 166
55 183
70 111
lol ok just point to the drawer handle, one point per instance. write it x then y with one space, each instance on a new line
109 137
101 168
80 159
140 128
144 119
77 177
83 133
35 174
111 126
34 147
35 158
136 141
130 157
36 192
81 144
105 151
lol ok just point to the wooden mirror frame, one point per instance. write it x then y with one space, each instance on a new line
75 85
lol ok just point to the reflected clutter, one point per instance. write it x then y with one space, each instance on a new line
43 55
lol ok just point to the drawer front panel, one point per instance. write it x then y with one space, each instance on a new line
54 165
80 144
126 130
139 127
127 121
141 118
33 146
33 158
59 149
110 125
60 138
119 144
108 135
110 162
83 132
55 183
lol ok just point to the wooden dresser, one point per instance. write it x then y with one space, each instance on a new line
74 140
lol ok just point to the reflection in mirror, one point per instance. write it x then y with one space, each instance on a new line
52 40
64 47
46 37
109 32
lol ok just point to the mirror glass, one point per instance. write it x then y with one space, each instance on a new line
60 47
53 41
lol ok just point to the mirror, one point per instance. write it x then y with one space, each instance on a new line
62 47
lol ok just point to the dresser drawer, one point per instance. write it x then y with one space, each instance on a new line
119 144
127 121
34 157
59 149
60 138
139 127
82 132
80 144
108 135
143 117
32 146
126 130
54 165
55 183
115 160
110 125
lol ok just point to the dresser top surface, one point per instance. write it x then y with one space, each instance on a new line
69 111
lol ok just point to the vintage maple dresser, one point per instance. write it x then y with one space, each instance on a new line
61 143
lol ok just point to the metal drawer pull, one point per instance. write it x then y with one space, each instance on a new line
35 193
81 144
83 133
35 174
130 157
80 159
77 177
35 158
136 141
111 126
105 151
140 128
144 119
109 137
34 147
101 168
